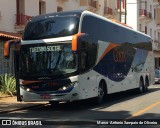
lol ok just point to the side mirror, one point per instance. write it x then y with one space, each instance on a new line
83 44
75 41
7 46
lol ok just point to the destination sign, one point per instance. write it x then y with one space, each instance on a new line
45 48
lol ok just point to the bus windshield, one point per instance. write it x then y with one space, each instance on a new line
51 27
46 60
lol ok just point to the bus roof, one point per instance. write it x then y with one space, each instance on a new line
79 13
66 13
113 22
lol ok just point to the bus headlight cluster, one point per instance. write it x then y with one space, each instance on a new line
26 88
68 87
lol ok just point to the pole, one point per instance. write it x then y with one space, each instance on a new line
120 12
125 11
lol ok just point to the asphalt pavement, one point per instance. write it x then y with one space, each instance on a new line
9 104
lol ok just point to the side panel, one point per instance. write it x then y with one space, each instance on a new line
88 85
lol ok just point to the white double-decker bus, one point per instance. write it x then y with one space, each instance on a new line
78 55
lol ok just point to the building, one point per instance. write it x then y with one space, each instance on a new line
147 15
18 12
149 18
6 65
15 14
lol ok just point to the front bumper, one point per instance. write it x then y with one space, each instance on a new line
40 97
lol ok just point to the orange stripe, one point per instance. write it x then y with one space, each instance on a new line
74 41
144 110
24 82
109 48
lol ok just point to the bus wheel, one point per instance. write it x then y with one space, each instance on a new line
146 85
101 93
54 103
141 86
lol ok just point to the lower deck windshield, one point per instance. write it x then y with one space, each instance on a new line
46 60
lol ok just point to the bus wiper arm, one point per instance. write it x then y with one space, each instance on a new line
57 63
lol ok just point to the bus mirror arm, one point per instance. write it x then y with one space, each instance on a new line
7 46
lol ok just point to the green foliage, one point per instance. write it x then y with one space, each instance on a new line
8 84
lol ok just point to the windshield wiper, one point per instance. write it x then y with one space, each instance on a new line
57 63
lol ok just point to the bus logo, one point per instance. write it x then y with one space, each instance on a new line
119 56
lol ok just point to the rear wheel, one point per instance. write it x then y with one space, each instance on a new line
141 86
146 85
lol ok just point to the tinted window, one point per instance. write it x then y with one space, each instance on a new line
51 27
97 28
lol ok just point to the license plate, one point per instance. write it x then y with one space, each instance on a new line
45 96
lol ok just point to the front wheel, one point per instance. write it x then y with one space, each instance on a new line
101 93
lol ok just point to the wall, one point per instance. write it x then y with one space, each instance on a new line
32 7
71 5
8 11
51 6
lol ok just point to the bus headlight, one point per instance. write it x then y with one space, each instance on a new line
28 89
68 87
64 88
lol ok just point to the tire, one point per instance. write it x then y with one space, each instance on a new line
141 86
146 85
101 93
